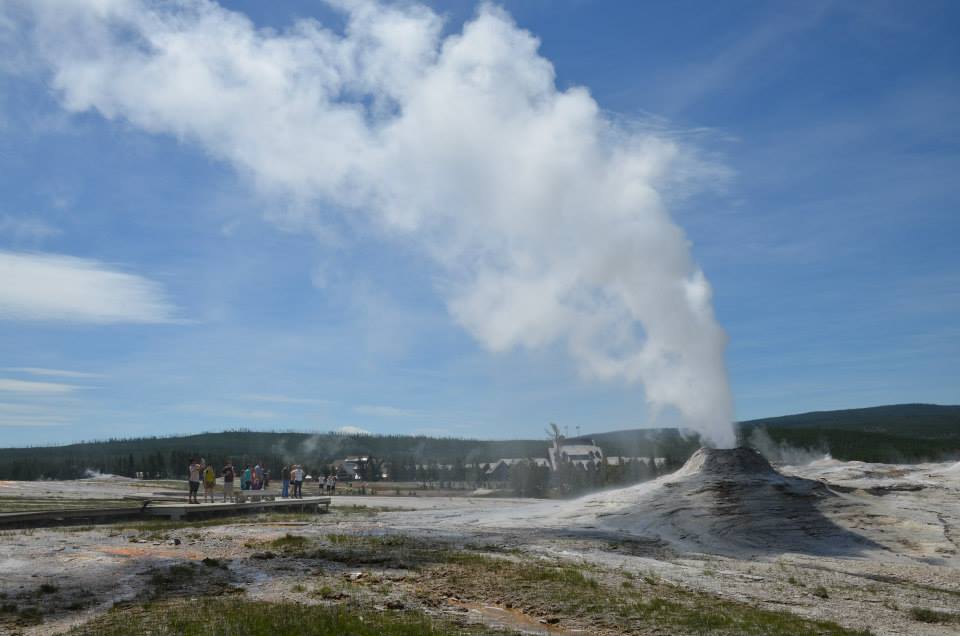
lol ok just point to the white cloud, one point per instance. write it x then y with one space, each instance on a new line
36 388
384 411
545 216
353 430
53 287
57 373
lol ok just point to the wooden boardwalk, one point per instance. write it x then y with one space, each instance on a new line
170 510
36 518
181 510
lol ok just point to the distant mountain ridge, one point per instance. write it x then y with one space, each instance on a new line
928 421
921 420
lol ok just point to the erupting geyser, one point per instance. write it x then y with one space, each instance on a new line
545 217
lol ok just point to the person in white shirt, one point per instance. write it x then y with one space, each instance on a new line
297 478
195 469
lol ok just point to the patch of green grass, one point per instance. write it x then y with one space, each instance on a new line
298 587
925 615
289 542
568 591
160 525
30 615
47 588
376 541
174 576
255 618
820 592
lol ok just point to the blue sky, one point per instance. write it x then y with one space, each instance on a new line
828 229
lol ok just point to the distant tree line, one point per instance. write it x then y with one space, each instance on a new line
898 433
406 458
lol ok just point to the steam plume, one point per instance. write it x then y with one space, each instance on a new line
545 215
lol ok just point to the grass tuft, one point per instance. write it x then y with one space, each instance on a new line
925 615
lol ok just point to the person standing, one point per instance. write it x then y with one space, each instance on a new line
285 481
194 478
298 481
245 480
257 477
209 483
228 474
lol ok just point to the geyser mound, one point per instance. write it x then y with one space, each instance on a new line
728 463
727 501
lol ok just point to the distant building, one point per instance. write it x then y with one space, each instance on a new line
352 468
579 452
616 460
500 469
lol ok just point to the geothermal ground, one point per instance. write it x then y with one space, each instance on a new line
727 544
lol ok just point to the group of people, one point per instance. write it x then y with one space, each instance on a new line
256 478
328 485
251 478
201 472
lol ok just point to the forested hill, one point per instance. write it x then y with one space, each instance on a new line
928 421
894 434
167 456
904 432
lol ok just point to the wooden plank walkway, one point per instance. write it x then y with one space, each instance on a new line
175 510
71 515
181 510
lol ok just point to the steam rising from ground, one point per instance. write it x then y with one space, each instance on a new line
545 217
783 453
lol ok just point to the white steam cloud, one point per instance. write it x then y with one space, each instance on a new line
545 215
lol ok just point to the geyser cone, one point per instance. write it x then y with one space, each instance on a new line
728 463
727 501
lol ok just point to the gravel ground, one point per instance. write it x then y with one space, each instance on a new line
876 542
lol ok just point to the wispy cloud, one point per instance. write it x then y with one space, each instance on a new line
24 415
31 421
384 411
226 411
56 373
756 46
282 399
54 287
26 229
36 388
